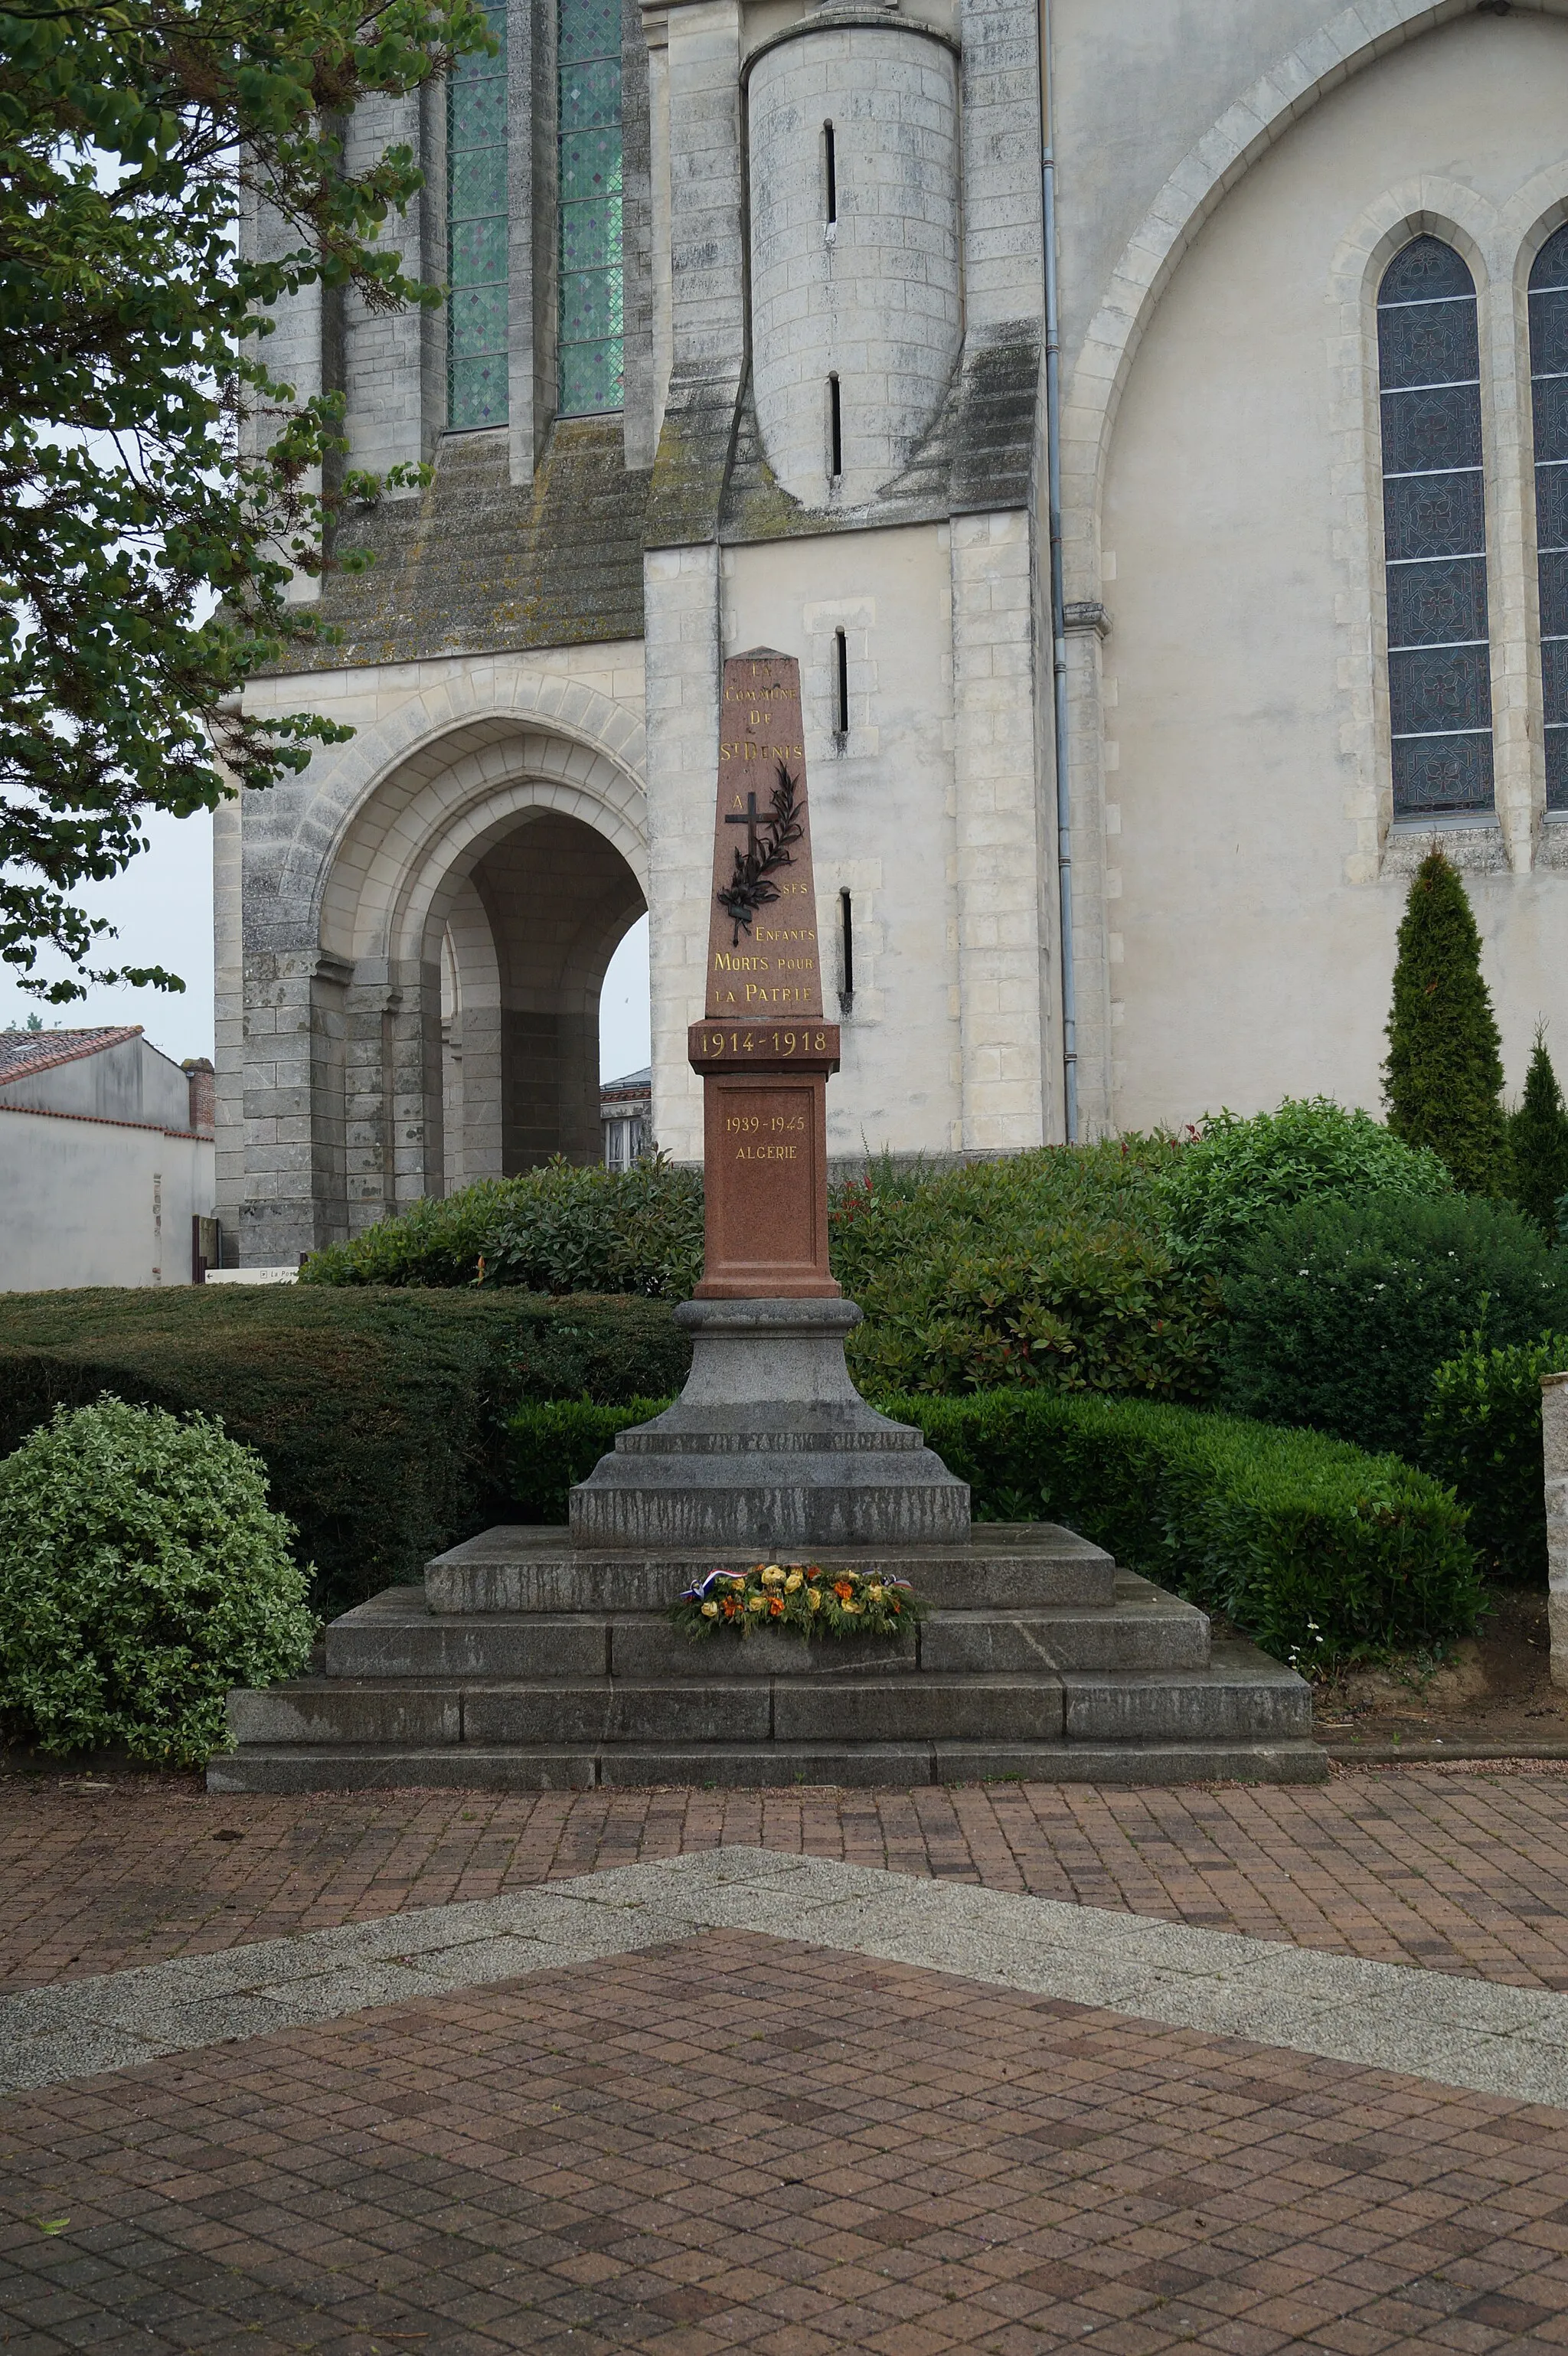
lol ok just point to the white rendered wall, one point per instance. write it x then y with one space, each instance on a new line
1251 901
874 298
90 1202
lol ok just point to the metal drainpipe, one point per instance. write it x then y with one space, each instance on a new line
1058 594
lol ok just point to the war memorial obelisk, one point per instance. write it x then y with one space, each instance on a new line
769 1446
538 1658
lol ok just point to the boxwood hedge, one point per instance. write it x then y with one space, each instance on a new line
377 1412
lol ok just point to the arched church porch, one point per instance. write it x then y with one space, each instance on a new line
445 1028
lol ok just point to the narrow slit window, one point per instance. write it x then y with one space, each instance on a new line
830 173
840 683
835 430
1435 533
1549 401
846 950
476 389
592 348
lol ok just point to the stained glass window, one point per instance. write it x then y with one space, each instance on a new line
476 217
1549 397
1435 532
591 345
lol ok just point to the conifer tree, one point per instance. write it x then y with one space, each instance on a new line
1538 1140
1444 1074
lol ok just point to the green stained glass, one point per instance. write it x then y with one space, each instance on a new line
477 217
590 29
591 238
590 95
590 167
592 354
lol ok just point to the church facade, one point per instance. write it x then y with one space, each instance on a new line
1147 424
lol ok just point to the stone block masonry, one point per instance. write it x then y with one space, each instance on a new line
1554 1452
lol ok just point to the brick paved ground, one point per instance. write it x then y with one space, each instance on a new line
1462 1873
743 2143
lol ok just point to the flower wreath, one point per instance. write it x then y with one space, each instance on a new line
802 1597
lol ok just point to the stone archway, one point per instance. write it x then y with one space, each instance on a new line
525 942
473 902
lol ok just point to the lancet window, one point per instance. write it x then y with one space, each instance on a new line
590 342
477 225
1435 534
1549 400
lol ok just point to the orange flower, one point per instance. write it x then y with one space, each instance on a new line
775 1607
843 1589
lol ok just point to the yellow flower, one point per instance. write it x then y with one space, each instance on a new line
854 1606
795 1581
875 1593
816 1599
710 1611
772 1576
757 1603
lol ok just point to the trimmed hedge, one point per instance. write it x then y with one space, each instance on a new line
1341 1312
378 1413
1482 1433
1314 1549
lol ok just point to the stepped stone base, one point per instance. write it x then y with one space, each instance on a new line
530 1663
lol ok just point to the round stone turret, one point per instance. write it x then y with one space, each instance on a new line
857 297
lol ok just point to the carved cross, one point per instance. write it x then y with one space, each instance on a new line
747 819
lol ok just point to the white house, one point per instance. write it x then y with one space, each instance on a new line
106 1162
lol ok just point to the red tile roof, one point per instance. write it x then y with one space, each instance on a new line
23 1053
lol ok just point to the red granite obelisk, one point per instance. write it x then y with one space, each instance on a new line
764 1047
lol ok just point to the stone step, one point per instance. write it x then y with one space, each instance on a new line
773 1766
1007 1566
1242 1697
396 1635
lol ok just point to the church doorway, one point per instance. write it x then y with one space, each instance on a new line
530 930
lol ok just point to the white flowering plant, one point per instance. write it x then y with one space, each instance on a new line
801 1597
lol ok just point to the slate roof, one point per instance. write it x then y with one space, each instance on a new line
633 1084
23 1053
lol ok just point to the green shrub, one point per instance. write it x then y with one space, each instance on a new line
1482 1435
378 1413
1047 1269
558 1230
1538 1143
141 1575
1444 1074
1340 1313
1220 1190
1311 1547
